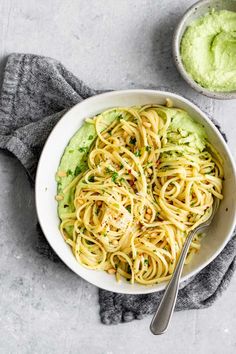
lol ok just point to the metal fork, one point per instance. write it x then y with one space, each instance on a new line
161 319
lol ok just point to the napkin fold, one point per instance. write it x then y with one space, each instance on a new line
36 92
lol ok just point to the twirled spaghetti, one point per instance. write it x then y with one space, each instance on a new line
144 187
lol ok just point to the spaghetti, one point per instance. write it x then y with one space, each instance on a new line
146 186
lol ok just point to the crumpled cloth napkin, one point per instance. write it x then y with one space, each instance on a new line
36 92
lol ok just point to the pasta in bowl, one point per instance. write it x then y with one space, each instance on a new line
131 183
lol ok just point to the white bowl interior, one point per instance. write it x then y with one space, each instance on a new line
217 235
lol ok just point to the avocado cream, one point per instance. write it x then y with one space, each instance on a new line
208 50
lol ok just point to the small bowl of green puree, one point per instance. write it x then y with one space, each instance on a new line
204 48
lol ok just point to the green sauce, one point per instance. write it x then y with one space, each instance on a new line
208 50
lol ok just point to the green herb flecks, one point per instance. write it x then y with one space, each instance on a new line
91 179
69 173
114 176
83 149
108 170
133 141
77 171
128 208
137 153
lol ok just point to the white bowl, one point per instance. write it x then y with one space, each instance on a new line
217 235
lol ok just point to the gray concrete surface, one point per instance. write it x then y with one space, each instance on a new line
44 307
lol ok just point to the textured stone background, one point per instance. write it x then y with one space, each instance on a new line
44 307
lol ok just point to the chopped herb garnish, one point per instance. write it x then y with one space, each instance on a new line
122 179
91 179
137 153
146 261
69 173
120 116
114 176
109 132
70 151
104 234
83 149
148 148
121 165
77 171
97 211
108 170
133 140
128 208
90 137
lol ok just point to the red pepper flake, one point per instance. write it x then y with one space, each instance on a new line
131 182
129 171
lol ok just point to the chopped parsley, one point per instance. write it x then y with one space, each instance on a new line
128 208
69 173
133 141
70 151
121 165
90 137
77 170
148 148
91 179
122 179
146 261
83 149
114 176
97 211
137 153
108 170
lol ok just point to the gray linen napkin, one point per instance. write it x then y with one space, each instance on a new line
36 92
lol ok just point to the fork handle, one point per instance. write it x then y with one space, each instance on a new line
165 309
